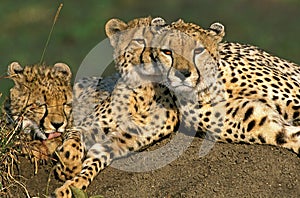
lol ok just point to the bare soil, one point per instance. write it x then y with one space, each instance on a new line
229 170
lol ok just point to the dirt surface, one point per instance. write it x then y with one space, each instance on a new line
229 170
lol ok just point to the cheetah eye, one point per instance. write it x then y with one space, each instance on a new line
67 104
139 41
167 52
39 103
199 50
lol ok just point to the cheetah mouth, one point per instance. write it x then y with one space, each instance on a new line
183 86
52 135
183 89
152 76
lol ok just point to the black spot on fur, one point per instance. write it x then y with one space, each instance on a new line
67 154
217 130
122 141
285 116
229 131
127 135
262 139
229 110
130 148
168 114
242 136
133 130
244 104
235 112
111 155
228 140
278 108
208 113
296 107
161 135
234 80
248 113
250 125
262 121
280 138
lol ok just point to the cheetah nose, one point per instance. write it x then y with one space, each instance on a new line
182 74
56 125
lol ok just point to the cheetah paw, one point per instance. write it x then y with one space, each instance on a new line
70 155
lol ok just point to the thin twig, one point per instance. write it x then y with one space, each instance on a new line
49 180
50 33
11 135
16 181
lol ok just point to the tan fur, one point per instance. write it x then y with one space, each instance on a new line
41 98
236 93
131 116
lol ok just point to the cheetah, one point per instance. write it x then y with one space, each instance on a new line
231 92
39 106
128 119
41 98
40 103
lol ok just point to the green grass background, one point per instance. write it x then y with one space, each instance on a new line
272 25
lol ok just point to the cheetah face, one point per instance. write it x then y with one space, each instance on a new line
131 42
41 98
176 64
51 110
187 57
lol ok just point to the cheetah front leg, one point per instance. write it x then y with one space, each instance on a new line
70 155
98 157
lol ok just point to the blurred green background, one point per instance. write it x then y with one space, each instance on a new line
272 25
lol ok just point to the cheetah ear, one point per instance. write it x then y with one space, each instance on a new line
15 68
217 30
179 21
112 29
63 69
157 23
15 72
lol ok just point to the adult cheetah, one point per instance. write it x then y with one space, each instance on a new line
234 93
131 117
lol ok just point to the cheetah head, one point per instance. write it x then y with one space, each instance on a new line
131 43
187 55
41 98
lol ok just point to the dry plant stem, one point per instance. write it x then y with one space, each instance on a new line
50 33
11 135
35 166
59 158
49 180
9 171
